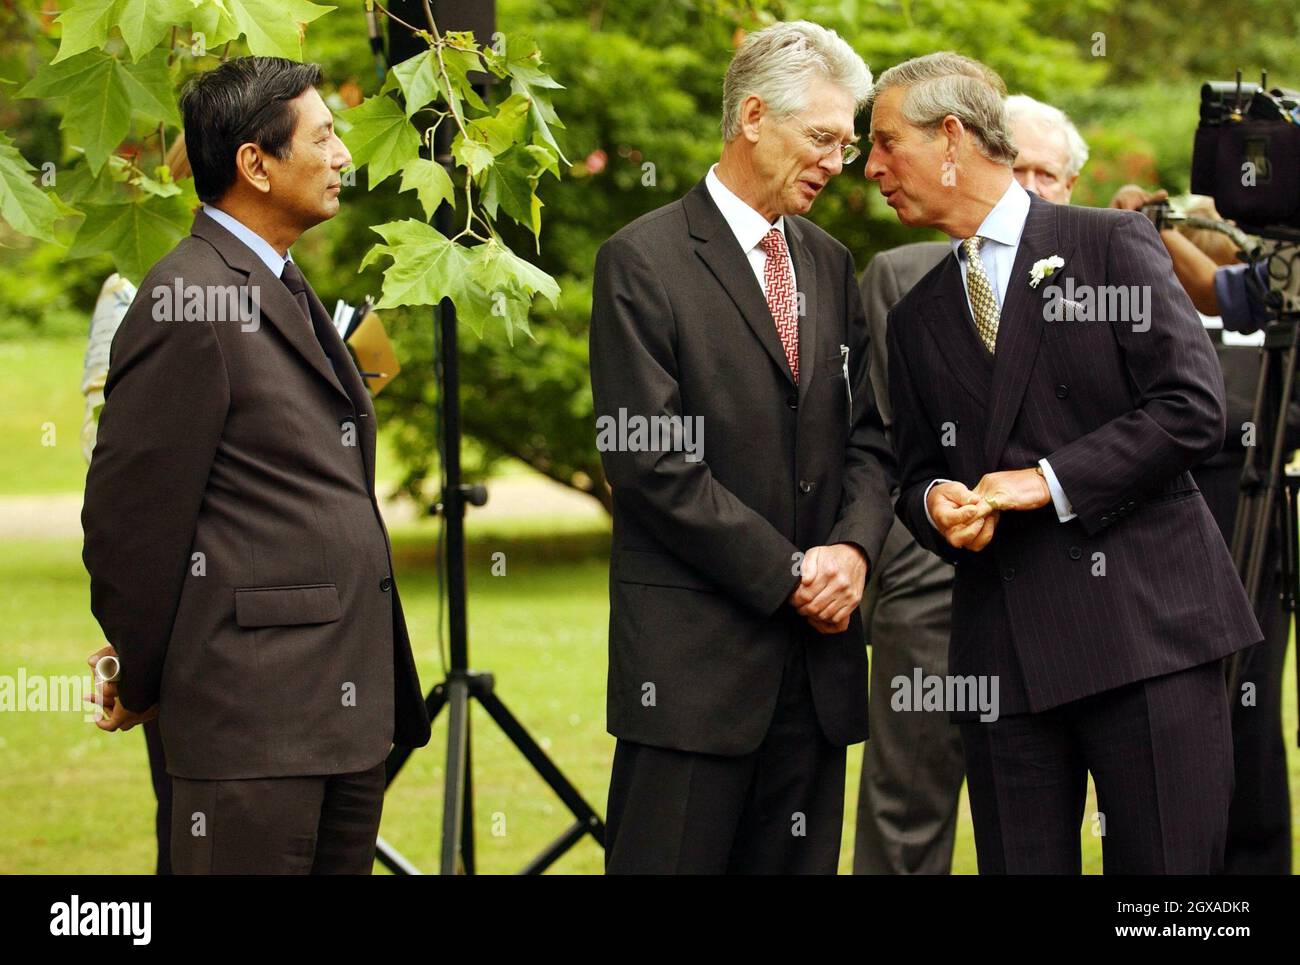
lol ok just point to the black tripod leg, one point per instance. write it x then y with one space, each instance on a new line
1250 472
1270 511
587 820
552 852
1291 552
467 805
392 859
453 798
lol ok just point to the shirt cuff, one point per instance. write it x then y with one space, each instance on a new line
925 500
1064 511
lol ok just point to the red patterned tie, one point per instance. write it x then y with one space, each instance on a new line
778 281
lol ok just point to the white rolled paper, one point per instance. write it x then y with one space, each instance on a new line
107 668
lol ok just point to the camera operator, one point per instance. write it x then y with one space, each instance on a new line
1207 268
1259 831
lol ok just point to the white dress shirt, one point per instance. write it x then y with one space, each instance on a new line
1001 230
747 225
255 242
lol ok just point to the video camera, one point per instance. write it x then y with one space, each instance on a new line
1247 155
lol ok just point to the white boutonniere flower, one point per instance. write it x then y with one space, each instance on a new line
1044 267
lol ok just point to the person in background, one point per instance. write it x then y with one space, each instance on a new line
912 766
1050 150
115 298
1259 823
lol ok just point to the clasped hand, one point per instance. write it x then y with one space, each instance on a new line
831 580
967 518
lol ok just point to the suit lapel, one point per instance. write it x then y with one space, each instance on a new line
954 331
1020 326
346 373
805 278
718 248
274 301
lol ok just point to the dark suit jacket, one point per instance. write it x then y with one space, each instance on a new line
888 277
1121 415
234 444
705 553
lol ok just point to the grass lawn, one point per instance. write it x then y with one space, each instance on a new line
41 410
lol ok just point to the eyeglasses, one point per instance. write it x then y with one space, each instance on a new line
827 143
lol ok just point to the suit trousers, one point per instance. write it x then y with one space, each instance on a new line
912 767
162 790
777 810
319 825
1160 754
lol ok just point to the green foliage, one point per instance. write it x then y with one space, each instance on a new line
504 151
136 233
379 136
101 93
23 206
270 27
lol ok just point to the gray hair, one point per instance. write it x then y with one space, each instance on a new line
778 62
947 83
1024 107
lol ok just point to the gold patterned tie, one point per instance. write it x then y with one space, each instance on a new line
982 302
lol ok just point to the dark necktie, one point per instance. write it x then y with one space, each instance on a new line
297 285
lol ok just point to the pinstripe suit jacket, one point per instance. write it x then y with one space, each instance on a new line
1140 583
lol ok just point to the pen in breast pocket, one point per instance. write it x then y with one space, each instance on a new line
848 385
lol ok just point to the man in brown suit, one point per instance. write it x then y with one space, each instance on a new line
238 562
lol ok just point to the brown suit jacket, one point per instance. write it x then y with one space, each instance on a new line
237 557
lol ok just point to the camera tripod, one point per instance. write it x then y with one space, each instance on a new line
462 684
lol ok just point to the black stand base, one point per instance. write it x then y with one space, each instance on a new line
455 693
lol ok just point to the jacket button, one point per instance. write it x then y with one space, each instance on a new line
805 486
1009 574
1062 391
386 583
1106 519
1075 552
792 401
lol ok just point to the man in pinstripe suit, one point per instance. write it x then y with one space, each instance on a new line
1045 426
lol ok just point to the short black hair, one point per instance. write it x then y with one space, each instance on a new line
243 100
